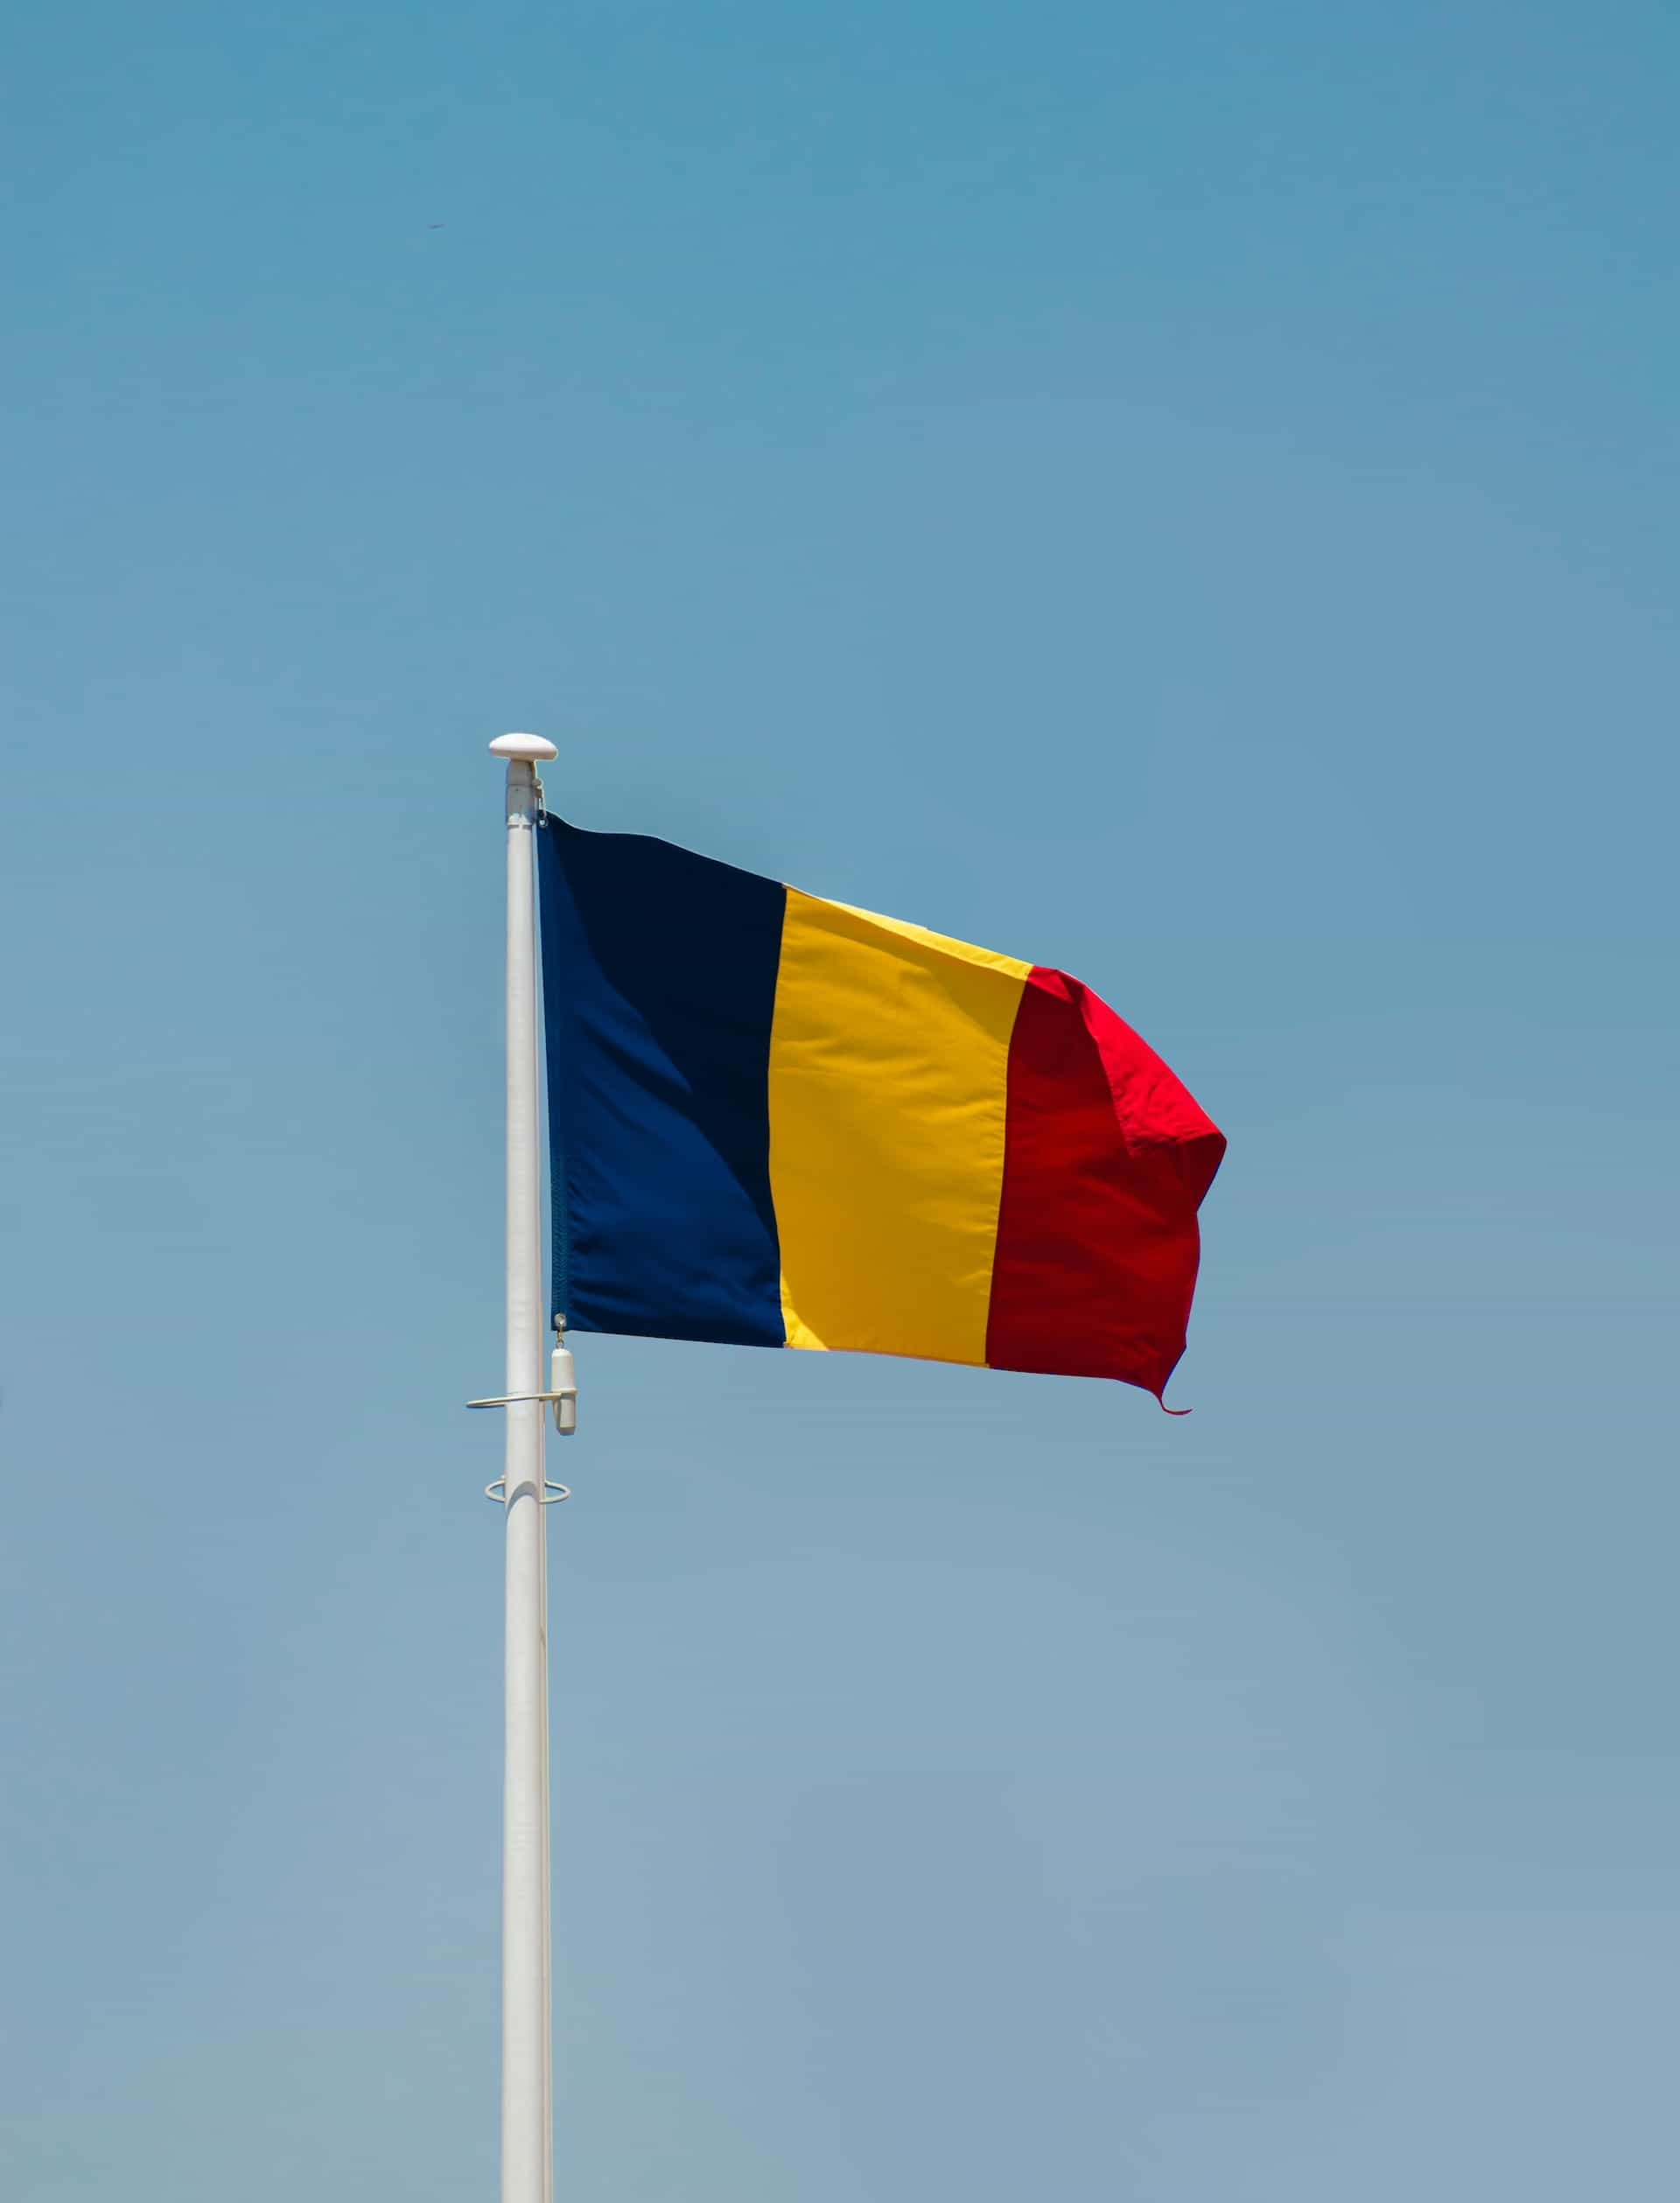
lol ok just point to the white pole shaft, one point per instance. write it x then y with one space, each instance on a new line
526 2175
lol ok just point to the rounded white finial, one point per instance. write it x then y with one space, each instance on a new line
532 747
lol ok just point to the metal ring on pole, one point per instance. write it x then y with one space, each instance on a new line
552 1492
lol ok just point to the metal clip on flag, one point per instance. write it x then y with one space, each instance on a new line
563 1387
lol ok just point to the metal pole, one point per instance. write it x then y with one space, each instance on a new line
527 2056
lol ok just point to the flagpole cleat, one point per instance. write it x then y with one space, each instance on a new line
561 1395
514 1399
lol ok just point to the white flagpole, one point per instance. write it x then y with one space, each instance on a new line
526 2053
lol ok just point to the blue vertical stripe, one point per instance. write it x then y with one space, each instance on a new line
659 982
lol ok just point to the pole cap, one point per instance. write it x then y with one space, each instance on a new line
532 747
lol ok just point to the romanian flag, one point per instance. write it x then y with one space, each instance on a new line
778 1121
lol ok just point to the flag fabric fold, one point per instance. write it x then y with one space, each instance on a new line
776 1120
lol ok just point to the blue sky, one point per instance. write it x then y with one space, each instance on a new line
1187 495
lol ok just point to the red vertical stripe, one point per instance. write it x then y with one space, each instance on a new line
1106 1160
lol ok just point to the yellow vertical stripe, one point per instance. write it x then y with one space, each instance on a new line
889 1057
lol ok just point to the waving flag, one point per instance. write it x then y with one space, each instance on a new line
779 1121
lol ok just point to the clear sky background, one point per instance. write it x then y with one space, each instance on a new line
1187 494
